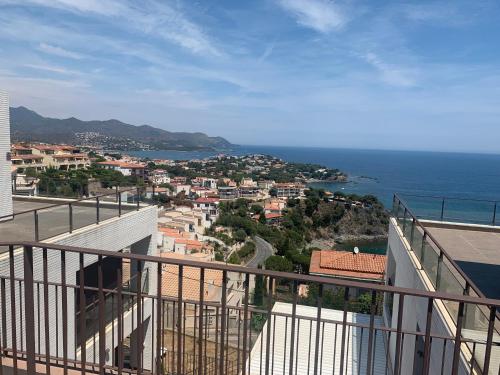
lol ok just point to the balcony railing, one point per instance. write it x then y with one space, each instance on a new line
447 209
443 272
65 216
189 333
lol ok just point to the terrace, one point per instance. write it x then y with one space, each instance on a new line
41 218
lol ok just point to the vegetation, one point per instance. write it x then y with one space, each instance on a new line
316 216
75 183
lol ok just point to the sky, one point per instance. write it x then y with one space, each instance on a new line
404 75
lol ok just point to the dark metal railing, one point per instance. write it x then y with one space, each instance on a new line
454 209
53 219
206 333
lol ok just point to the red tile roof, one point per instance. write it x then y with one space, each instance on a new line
347 264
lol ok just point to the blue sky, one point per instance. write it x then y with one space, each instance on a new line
418 75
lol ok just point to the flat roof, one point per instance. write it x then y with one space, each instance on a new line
330 341
476 250
51 221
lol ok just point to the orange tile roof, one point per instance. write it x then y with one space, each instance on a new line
190 281
346 264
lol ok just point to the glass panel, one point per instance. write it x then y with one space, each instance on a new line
53 221
416 243
84 213
429 262
469 211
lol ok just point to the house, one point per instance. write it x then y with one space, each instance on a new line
271 218
126 168
158 177
348 265
228 192
178 180
179 188
210 183
209 207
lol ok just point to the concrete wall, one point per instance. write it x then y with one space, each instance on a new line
5 174
135 230
409 275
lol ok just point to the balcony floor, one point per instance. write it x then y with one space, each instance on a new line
476 251
52 221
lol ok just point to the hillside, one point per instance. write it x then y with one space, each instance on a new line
27 125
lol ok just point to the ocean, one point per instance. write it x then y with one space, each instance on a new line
383 173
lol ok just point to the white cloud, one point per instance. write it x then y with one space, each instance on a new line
156 18
321 15
392 74
59 51
52 69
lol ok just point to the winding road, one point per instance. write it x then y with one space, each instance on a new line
263 250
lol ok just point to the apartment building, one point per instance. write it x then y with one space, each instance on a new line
287 190
43 156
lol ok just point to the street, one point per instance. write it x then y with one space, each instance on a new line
263 250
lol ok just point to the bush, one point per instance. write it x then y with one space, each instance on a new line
234 258
278 263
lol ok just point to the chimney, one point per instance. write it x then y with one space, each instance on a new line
6 209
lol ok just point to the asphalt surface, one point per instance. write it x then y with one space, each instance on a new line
263 250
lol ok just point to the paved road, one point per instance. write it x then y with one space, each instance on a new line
263 250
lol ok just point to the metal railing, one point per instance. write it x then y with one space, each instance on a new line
441 269
454 209
53 219
188 332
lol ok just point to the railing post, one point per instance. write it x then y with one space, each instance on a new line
29 309
404 221
138 192
438 271
70 218
422 252
119 205
37 233
412 233
442 209
97 209
117 193
494 214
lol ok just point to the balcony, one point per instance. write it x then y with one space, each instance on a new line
275 331
455 243
41 218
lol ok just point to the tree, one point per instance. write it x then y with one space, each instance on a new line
278 263
259 289
256 209
234 258
240 235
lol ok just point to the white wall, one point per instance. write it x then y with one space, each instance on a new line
5 176
408 275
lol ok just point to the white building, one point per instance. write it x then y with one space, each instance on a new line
5 163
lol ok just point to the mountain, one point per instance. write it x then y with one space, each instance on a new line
27 125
